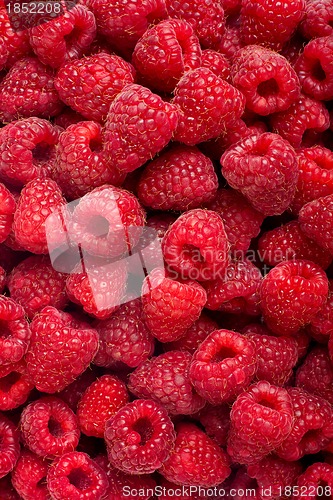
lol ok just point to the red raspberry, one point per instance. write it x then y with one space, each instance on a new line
230 43
169 383
74 391
238 291
264 169
266 79
138 126
276 356
270 23
3 279
139 437
182 178
16 43
322 324
81 165
206 19
69 35
165 52
315 177
34 284
28 90
102 399
317 478
196 245
241 221
292 293
288 243
38 199
207 106
217 63
29 476
15 385
216 421
314 68
124 337
303 342
90 84
261 419
318 19
170 307
49 427
194 336
312 427
75 475
15 331
315 375
10 445
67 117
293 48
61 349
196 459
8 205
27 150
300 123
223 366
315 219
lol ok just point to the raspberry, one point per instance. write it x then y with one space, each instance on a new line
139 125
15 331
317 477
139 437
34 284
293 48
196 459
207 106
29 476
315 177
75 475
292 293
170 385
15 385
49 427
276 356
217 63
3 279
16 43
194 336
182 178
261 419
318 19
8 205
216 421
165 52
270 23
10 445
67 117
196 245
60 350
241 221
312 428
230 42
315 219
74 391
315 375
124 337
27 150
238 291
102 399
28 90
300 123
170 307
322 324
81 165
38 199
264 169
89 85
69 35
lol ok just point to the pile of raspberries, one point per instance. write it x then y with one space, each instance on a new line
200 130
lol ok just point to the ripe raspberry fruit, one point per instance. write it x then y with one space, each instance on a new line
61 349
196 459
194 336
15 385
317 477
217 63
207 106
15 43
292 293
74 391
318 19
261 419
312 428
170 307
139 437
29 476
49 427
268 23
196 245
231 42
315 219
8 205
322 324
69 35
241 221
89 85
15 331
223 366
124 337
102 399
10 445
139 125
169 383
181 179
315 375
28 90
216 422
264 169
75 474
165 52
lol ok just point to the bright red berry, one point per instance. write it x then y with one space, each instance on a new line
315 375
15 331
315 219
7 209
193 337
29 476
15 385
317 477
10 445
318 19
217 63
